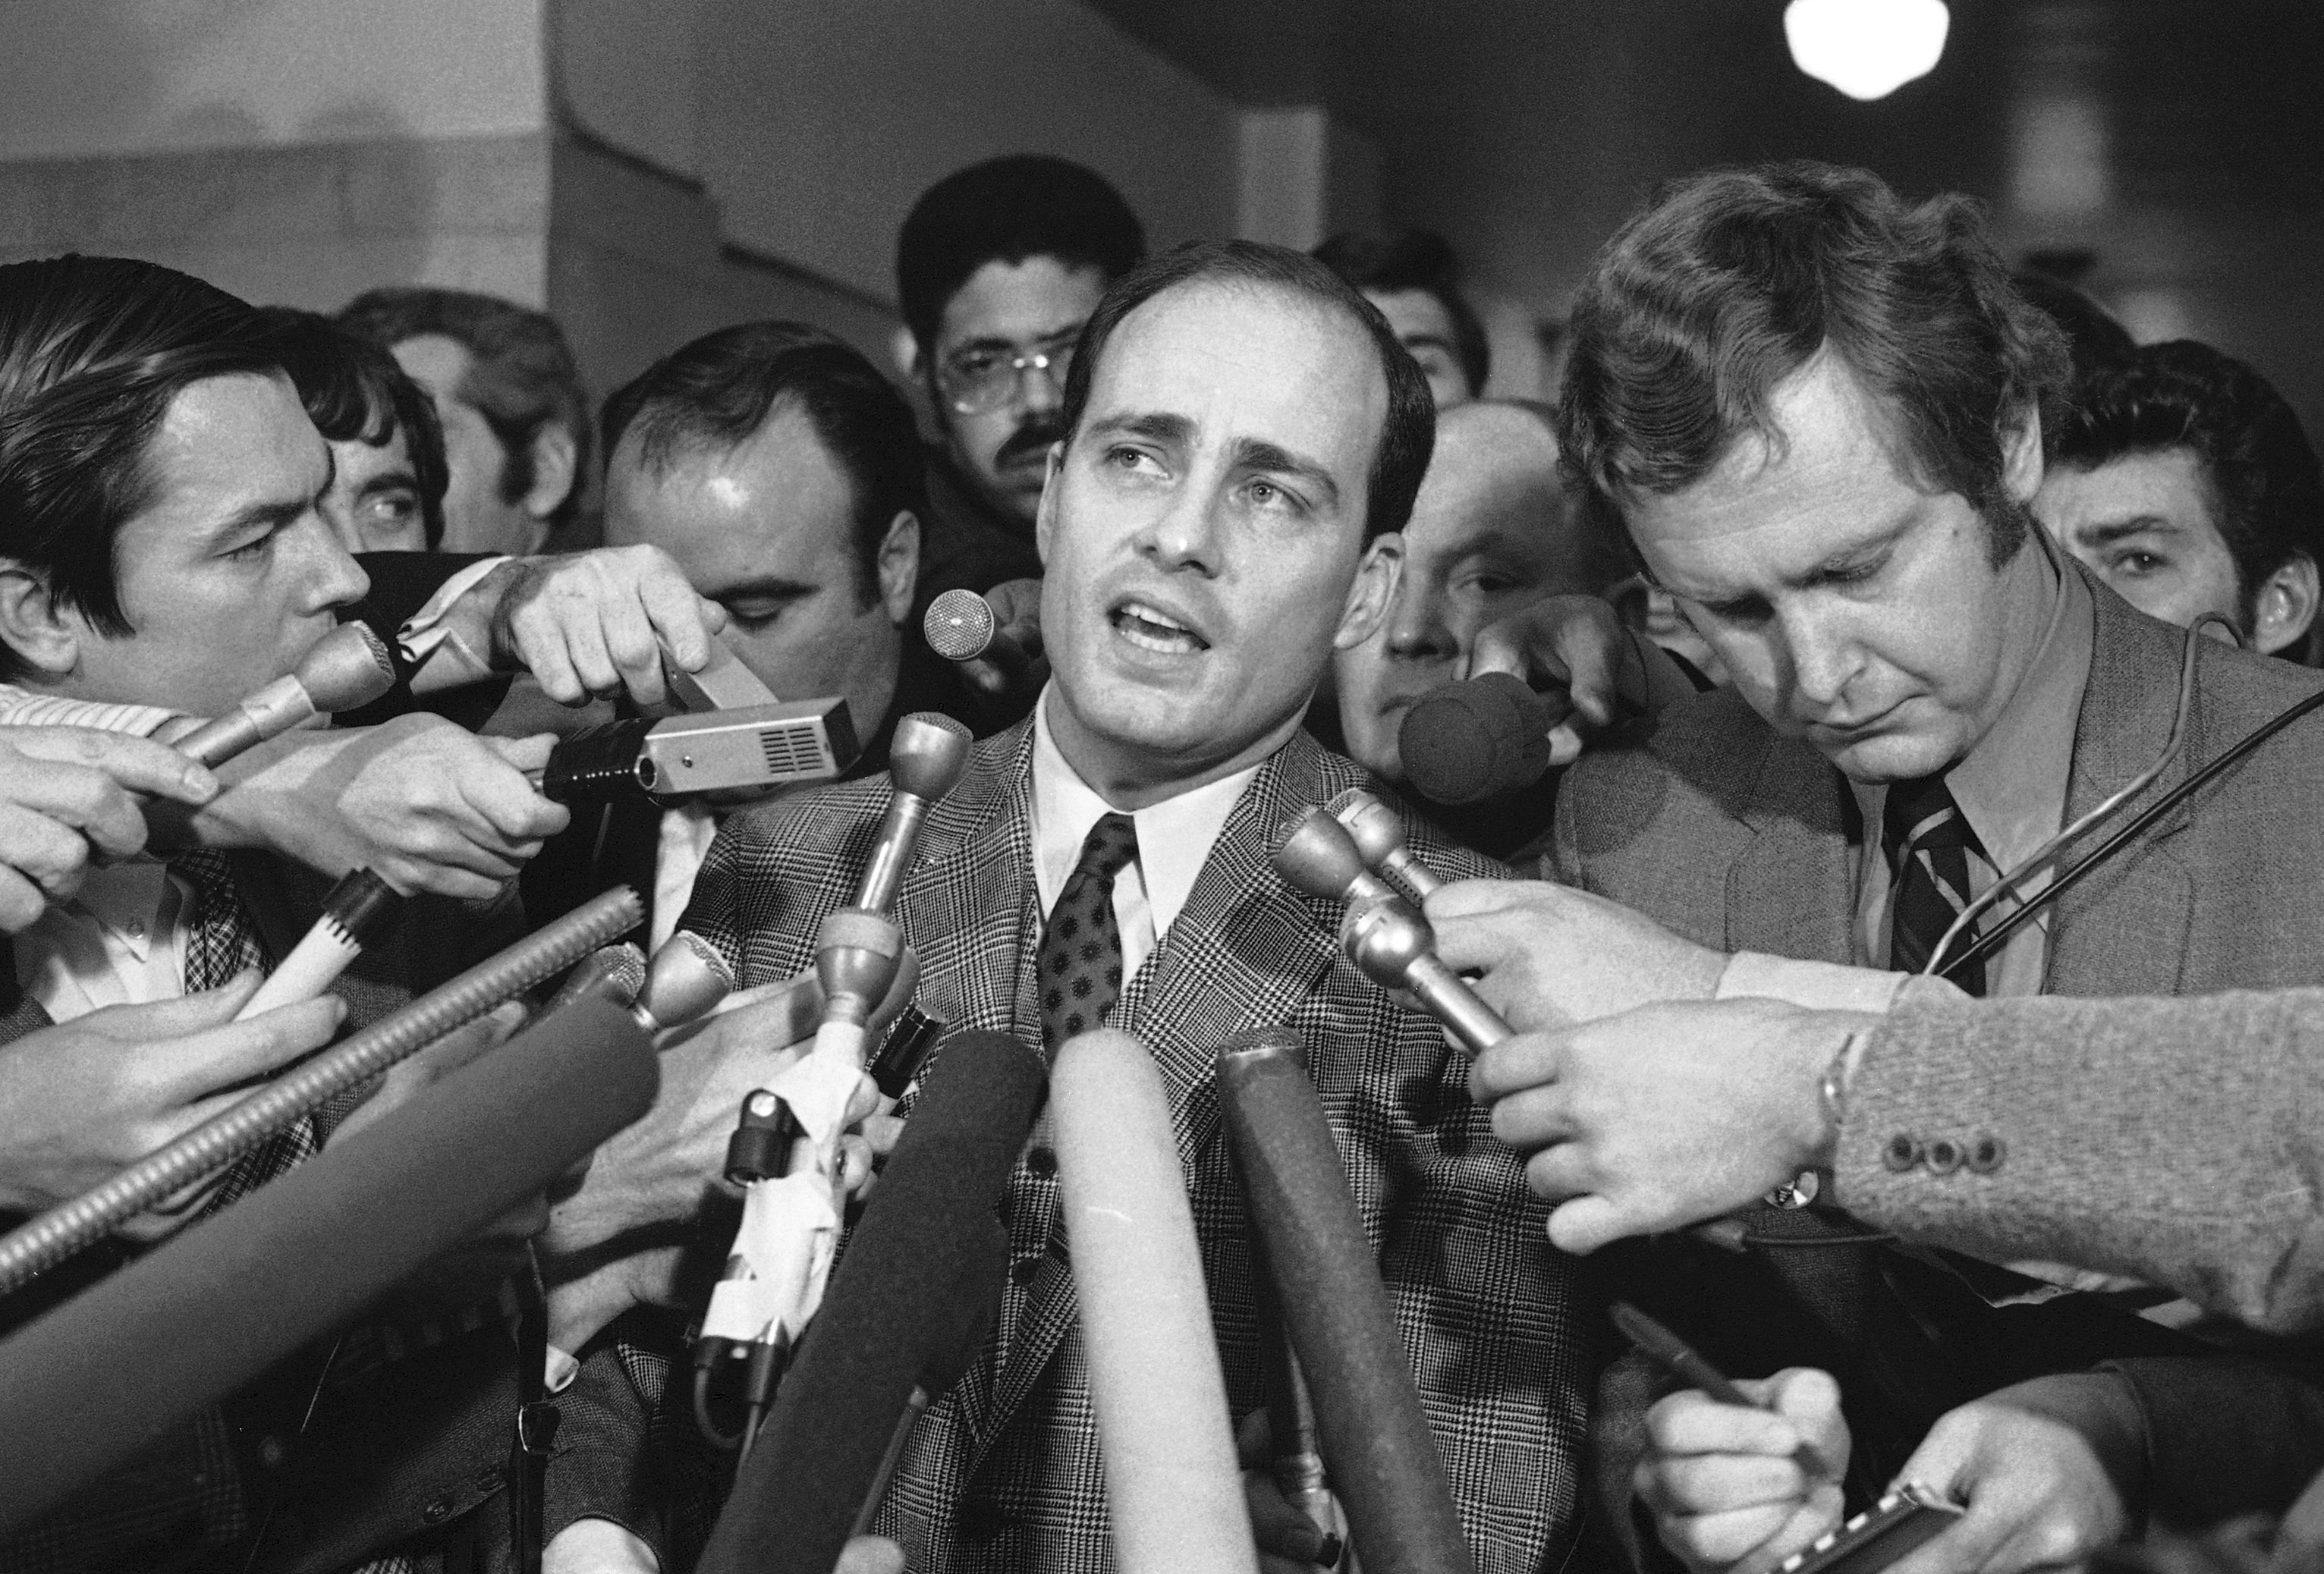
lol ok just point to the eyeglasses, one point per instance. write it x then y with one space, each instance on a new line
977 381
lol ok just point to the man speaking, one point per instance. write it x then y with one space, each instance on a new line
1244 438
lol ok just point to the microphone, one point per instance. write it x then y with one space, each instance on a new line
1378 832
359 912
752 750
1174 1490
50 1238
893 1321
343 670
1374 1435
926 761
1382 933
110 1370
960 626
613 973
1469 741
685 980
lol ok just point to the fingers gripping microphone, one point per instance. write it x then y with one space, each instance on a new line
892 1322
1378 832
1383 1459
960 626
343 670
111 1369
1383 934
1472 741
1173 1488
925 762
752 749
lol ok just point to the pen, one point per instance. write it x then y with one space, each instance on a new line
1674 1355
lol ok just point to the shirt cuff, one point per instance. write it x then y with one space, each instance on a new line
1818 986
21 708
558 1370
439 658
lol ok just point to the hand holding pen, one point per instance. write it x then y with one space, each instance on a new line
1739 1475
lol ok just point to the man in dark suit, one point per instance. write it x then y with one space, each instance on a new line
1244 438
1818 411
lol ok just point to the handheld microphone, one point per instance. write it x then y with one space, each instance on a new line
1472 741
1378 832
1392 945
1382 933
109 1371
1173 1488
345 669
1374 1435
50 1238
359 912
752 750
960 626
613 973
926 761
686 979
893 1314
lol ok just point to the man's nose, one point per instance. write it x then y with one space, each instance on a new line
1821 652
1040 391
1419 625
1186 535
329 576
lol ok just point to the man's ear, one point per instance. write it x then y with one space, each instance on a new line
1372 593
2286 606
904 350
41 634
2021 454
556 470
1044 516
899 565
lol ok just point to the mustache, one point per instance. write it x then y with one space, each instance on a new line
1031 439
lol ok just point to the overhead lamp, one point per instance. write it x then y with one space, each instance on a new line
1867 49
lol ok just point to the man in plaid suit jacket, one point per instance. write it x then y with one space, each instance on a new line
1245 439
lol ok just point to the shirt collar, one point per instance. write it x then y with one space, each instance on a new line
2012 787
1175 836
133 902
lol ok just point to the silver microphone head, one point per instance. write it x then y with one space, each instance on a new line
1314 853
928 755
686 977
1384 938
345 669
1375 828
959 625
612 972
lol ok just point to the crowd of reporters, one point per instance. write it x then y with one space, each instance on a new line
1831 517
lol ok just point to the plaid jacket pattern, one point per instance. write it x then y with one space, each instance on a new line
1004 1472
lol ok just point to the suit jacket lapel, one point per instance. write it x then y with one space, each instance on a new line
1243 952
2138 945
1792 889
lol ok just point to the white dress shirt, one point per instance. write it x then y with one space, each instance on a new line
1174 838
120 941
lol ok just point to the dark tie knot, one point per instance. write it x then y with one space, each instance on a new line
1921 816
1109 847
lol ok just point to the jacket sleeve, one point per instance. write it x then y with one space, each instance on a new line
2225 1436
2179 1141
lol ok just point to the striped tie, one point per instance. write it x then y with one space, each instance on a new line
1928 843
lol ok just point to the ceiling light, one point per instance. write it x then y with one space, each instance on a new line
1867 49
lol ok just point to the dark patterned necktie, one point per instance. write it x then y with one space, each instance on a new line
1080 958
1928 842
222 943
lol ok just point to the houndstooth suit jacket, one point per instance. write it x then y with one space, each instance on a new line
1004 1472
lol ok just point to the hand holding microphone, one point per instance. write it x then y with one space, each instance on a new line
69 796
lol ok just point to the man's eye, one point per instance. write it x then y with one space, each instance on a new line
2138 564
1133 461
1267 495
255 548
974 366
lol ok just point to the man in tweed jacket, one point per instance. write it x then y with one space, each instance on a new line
1245 440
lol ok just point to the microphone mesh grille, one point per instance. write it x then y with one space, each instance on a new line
958 625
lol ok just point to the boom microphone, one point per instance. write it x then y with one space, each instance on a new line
344 671
960 626
1173 1489
890 1310
110 1370
752 750
1383 1459
1472 741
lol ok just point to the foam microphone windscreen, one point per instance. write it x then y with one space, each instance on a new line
202 1316
1374 1436
1173 1488
1469 741
889 1316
